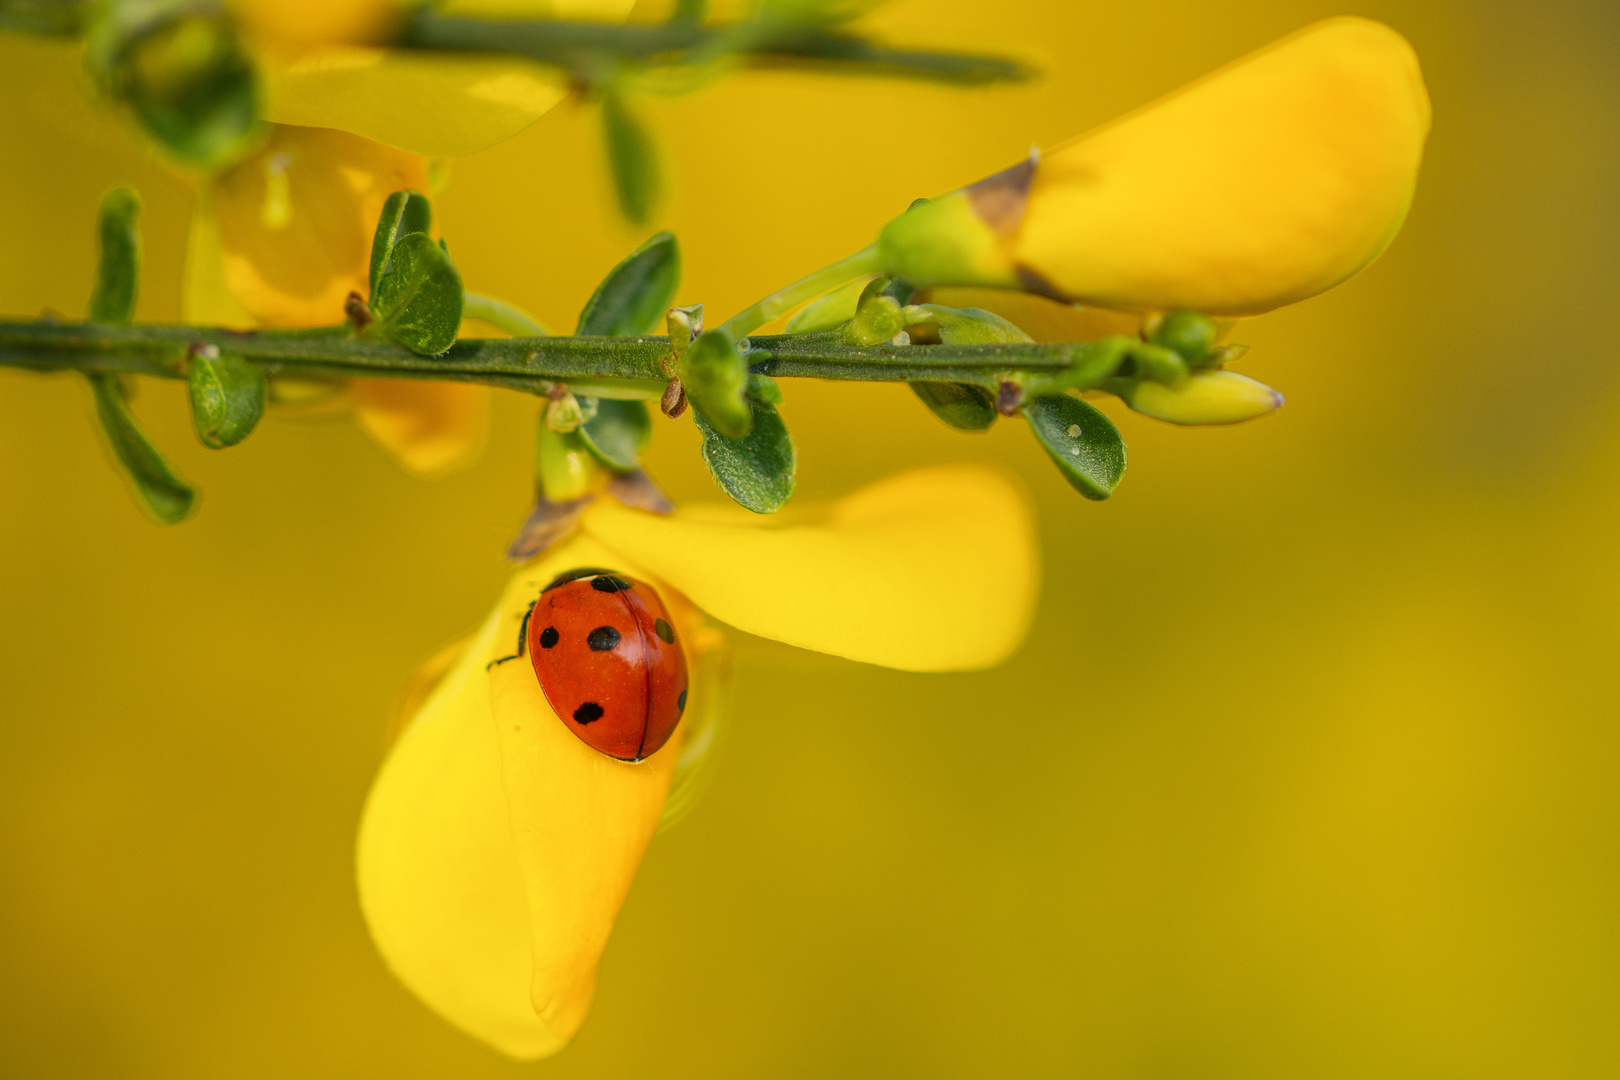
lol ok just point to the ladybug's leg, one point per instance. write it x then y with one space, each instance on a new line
523 637
523 628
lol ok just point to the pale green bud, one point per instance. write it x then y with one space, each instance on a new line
1207 397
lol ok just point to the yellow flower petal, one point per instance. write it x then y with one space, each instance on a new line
429 427
932 570
1264 183
1269 181
205 299
295 221
317 22
496 848
436 105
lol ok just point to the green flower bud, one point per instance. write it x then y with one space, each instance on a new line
877 316
564 413
564 466
1207 397
1158 364
945 242
1189 333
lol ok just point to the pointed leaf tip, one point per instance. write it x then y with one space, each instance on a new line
1084 443
636 293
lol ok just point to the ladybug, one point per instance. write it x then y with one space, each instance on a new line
604 650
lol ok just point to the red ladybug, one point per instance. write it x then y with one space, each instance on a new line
605 652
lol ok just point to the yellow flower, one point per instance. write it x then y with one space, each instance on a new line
496 848
321 69
1266 182
282 237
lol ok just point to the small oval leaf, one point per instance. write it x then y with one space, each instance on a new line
618 433
403 213
1085 444
634 296
118 270
963 406
418 302
756 470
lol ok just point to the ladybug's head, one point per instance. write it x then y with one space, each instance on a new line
611 581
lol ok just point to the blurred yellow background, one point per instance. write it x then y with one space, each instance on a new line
1307 770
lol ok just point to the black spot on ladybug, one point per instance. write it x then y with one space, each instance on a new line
609 583
661 628
680 702
574 575
588 713
548 637
603 639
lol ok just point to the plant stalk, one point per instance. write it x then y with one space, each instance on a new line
608 367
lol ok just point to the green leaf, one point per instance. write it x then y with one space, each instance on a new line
633 158
961 405
634 296
418 301
758 469
227 397
164 496
1085 444
118 273
715 377
618 433
405 212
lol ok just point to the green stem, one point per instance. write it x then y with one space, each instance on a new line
788 297
501 315
607 367
579 45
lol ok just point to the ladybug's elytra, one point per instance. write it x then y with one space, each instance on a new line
604 649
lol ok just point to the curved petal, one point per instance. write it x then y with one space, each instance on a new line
496 848
1269 181
295 221
931 570
428 427
438 105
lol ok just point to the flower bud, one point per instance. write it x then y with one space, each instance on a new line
1270 181
1206 397
565 466
1190 334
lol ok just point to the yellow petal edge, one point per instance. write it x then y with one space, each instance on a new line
1266 182
438 105
1269 181
930 570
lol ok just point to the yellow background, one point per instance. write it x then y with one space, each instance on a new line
1307 770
